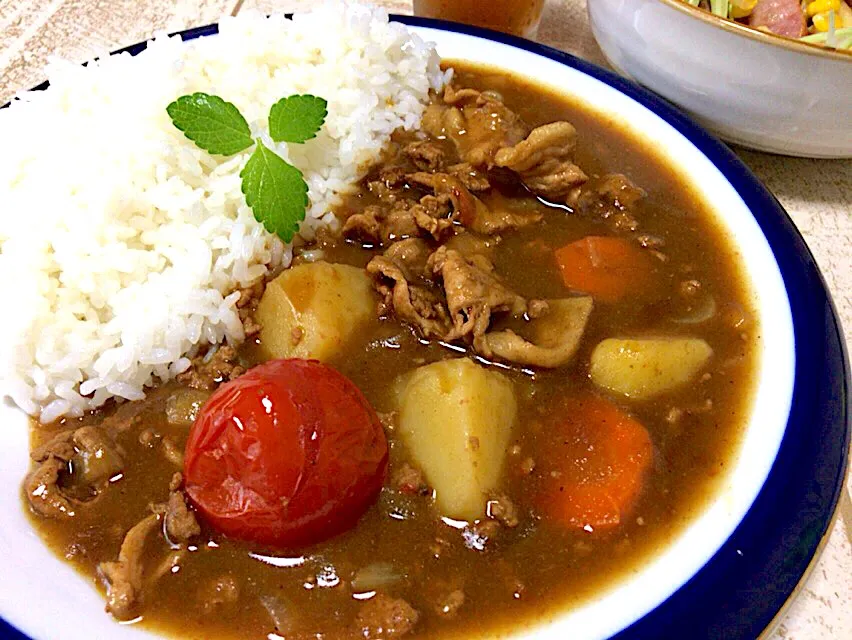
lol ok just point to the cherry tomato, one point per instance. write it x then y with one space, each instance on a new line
290 453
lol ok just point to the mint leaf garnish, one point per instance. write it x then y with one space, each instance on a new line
297 118
276 192
211 123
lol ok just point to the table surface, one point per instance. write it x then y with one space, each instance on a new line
816 193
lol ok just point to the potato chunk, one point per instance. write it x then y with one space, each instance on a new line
456 418
643 368
311 310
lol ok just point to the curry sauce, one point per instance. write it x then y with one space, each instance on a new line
434 576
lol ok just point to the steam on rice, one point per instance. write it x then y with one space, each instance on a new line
122 245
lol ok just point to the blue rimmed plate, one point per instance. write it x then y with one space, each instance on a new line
729 572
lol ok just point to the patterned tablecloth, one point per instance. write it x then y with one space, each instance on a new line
816 193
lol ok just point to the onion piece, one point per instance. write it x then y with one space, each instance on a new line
375 577
282 612
703 311
312 255
182 406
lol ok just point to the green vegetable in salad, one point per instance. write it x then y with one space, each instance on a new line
843 38
720 8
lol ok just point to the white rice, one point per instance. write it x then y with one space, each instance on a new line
122 245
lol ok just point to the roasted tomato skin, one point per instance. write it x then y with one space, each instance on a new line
288 454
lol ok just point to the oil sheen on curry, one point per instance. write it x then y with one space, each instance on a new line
516 368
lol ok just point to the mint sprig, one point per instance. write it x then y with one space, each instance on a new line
274 189
297 118
276 192
212 124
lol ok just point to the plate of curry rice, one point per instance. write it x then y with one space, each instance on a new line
344 325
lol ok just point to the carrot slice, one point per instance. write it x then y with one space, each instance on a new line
598 466
606 268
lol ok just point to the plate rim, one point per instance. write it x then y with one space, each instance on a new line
749 580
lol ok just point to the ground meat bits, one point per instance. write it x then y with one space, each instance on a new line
384 617
407 479
208 371
247 305
503 510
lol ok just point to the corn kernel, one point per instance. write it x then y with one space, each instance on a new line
821 22
823 6
741 8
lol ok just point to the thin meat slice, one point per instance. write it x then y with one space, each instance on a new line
450 189
73 466
60 446
472 212
43 492
479 124
607 195
426 155
556 336
468 244
781 17
169 564
434 217
417 304
365 226
475 180
410 255
124 576
403 219
181 523
612 198
457 97
447 189
545 160
452 298
493 219
382 225
473 292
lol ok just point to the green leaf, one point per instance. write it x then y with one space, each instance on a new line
297 118
276 192
216 126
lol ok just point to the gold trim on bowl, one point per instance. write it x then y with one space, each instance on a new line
783 42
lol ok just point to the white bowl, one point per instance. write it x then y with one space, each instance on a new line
751 88
772 255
